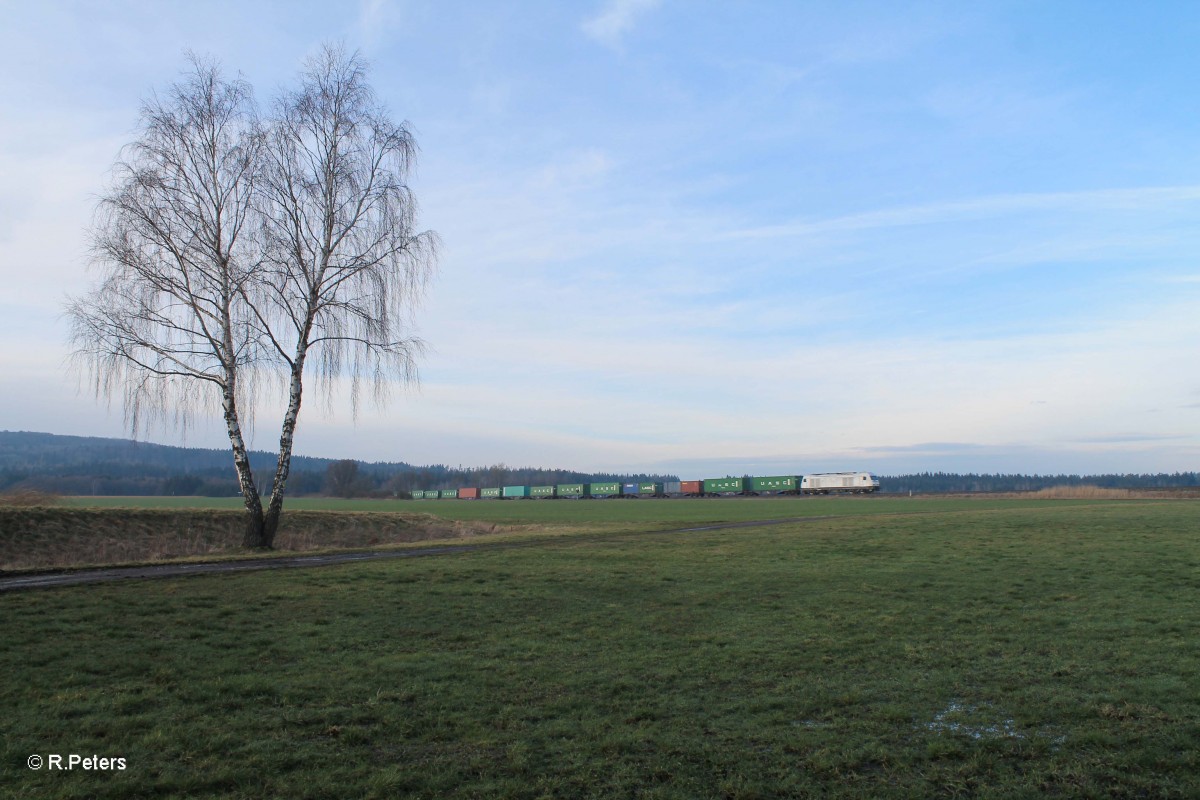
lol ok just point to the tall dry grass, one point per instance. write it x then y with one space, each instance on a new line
1084 493
27 498
41 537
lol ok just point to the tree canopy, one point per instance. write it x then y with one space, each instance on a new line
236 248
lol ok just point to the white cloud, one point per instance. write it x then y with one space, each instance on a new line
616 19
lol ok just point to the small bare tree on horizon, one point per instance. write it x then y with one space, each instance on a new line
235 251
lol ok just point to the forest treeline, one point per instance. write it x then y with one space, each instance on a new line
940 482
85 465
81 465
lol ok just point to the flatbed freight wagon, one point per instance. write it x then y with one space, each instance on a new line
644 489
726 485
776 484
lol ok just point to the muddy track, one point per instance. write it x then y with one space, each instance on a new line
47 580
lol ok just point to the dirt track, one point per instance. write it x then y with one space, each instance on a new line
46 580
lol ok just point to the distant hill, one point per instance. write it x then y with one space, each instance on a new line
26 450
88 465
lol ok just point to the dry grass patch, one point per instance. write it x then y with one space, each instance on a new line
40 537
1085 493
26 498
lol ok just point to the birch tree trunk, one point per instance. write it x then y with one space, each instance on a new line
346 266
230 248
284 465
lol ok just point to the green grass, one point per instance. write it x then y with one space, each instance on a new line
638 512
1000 650
154 529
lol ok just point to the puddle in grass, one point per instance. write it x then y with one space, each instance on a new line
979 722
971 721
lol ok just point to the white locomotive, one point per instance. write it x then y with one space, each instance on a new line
840 482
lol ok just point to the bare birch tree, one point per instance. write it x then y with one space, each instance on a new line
232 251
167 329
344 265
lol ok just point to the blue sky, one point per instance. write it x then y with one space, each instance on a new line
700 237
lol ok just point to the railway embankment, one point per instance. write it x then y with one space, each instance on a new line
51 537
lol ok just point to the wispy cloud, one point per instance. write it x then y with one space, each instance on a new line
1132 199
615 19
376 18
581 167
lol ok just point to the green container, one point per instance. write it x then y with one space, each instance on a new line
516 491
650 488
572 490
725 485
492 492
776 483
604 489
418 494
541 491
448 494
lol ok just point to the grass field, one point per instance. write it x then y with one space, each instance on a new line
138 530
998 649
571 512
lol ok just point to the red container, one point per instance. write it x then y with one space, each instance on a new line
471 494
691 487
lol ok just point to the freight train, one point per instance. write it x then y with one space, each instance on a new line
819 483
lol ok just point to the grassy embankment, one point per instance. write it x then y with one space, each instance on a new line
106 531
48 538
992 652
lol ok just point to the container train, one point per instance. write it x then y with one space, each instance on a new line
819 483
